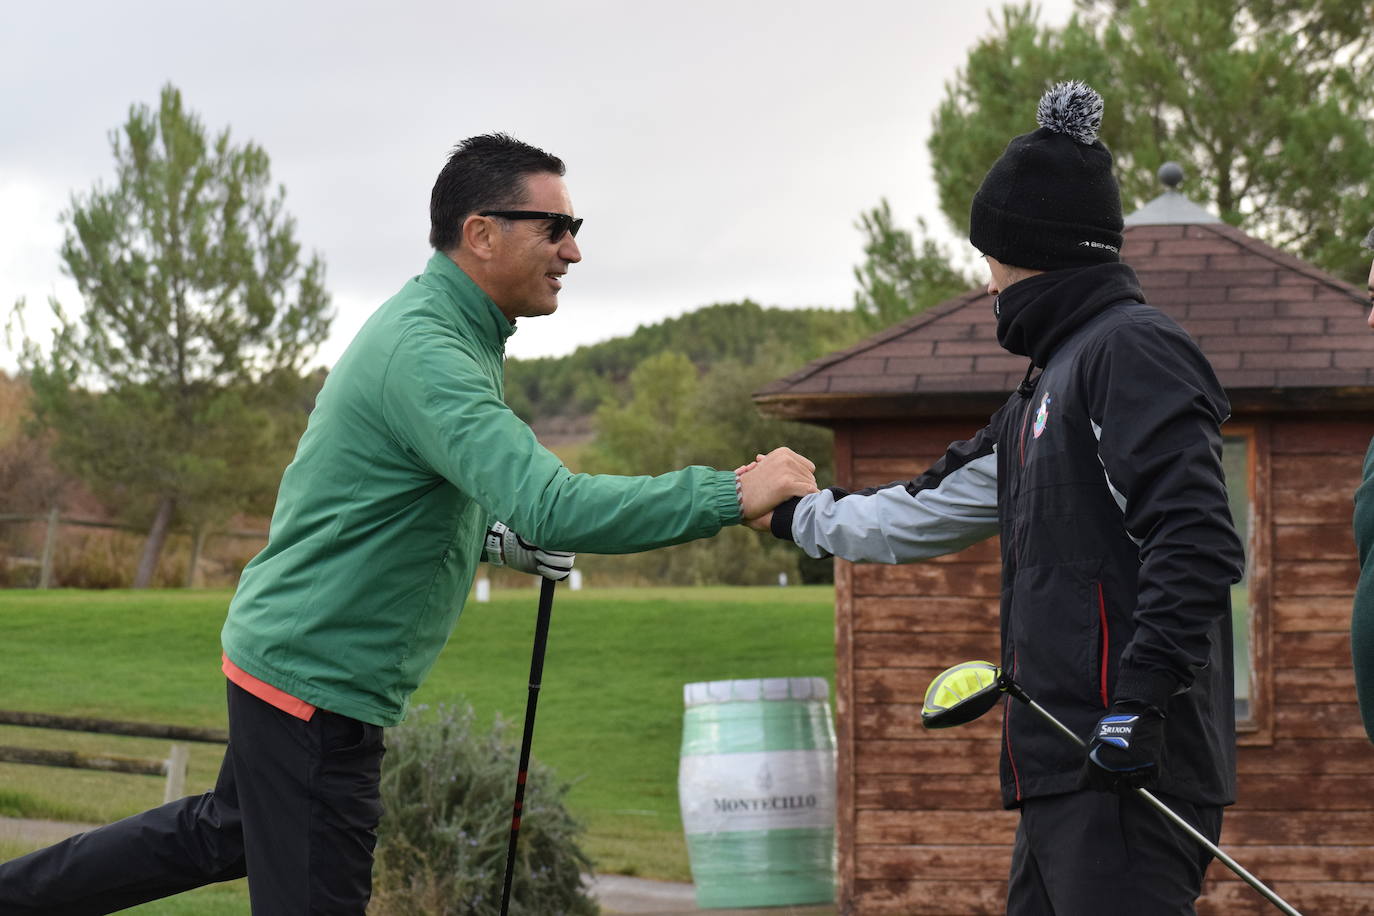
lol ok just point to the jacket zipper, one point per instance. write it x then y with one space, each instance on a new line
1006 716
1025 420
1006 733
1102 620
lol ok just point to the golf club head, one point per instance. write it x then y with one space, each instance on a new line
961 694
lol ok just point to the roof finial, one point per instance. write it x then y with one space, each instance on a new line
1170 208
1171 175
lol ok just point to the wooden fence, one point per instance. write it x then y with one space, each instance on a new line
173 767
54 520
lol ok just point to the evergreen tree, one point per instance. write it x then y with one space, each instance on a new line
175 392
1266 104
900 278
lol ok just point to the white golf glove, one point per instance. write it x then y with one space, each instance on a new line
506 548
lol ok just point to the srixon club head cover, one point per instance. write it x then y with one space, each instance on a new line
960 694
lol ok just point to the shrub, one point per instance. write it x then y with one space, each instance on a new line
95 559
441 846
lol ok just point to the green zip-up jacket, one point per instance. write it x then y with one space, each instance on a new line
379 524
1362 621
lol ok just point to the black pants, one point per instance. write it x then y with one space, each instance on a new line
295 808
1098 852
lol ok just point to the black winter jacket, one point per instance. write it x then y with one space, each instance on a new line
1103 478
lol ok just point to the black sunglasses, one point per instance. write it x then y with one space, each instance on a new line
561 222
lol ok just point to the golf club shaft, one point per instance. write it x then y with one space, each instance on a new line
541 637
1215 850
1015 690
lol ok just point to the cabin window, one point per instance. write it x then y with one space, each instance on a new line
1237 461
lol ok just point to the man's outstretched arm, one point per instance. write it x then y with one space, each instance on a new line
944 510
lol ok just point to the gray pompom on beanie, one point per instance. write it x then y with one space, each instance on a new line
1051 200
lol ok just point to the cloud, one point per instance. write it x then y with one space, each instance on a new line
30 268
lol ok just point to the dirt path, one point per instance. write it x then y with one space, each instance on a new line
37 833
617 894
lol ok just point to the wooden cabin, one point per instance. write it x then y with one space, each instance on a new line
920 824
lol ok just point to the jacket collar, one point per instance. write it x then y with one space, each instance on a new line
1036 315
473 304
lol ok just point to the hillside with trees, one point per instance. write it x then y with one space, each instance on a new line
575 385
677 393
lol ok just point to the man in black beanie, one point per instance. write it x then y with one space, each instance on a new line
1103 477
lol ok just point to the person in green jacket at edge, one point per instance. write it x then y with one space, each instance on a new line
1362 620
410 471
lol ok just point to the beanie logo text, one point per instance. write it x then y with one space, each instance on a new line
1088 243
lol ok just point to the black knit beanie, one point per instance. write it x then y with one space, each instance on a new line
1051 201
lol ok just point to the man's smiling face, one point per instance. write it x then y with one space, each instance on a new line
527 267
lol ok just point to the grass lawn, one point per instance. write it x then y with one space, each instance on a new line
610 711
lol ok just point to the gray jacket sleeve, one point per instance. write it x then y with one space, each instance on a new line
949 507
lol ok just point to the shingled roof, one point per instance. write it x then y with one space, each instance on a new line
1280 334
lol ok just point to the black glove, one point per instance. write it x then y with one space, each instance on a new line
1124 749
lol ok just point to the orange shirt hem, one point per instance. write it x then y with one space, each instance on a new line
264 691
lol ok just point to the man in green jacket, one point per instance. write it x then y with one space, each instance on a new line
411 470
1362 621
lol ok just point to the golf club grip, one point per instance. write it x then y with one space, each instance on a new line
541 638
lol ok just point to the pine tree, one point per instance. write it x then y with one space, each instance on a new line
175 391
1266 104
900 277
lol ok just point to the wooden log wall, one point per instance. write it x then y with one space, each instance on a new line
921 828
920 824
1304 818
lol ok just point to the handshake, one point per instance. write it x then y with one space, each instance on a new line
772 479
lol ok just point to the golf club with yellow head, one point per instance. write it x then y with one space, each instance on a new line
966 691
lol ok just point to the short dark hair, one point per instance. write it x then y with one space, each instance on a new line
482 172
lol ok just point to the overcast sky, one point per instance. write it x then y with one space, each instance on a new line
717 150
